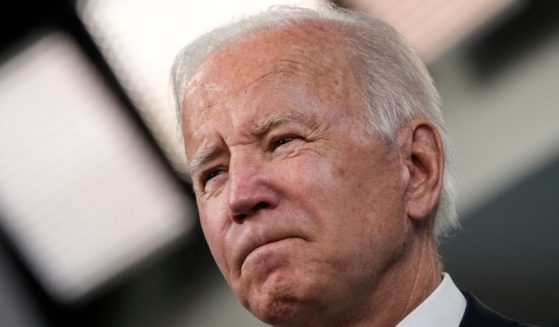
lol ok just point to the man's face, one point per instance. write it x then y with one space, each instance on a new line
302 208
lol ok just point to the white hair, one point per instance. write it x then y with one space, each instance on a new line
393 83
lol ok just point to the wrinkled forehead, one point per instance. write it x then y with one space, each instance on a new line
310 52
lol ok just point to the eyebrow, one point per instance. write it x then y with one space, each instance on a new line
201 158
207 154
279 119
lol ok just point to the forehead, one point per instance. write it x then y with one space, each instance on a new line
310 52
271 65
310 48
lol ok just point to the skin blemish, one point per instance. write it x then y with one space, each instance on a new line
341 172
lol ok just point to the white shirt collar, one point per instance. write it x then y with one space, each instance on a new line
444 307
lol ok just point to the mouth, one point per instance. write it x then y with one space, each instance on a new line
258 248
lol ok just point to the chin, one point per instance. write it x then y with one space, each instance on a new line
278 312
283 301
281 310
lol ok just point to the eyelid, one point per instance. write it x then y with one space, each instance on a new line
291 136
205 175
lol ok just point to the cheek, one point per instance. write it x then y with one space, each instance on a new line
319 187
213 225
309 167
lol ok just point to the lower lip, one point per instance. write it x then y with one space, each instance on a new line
266 256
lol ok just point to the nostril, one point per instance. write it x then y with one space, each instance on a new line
240 217
261 205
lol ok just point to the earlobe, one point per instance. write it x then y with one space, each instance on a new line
424 157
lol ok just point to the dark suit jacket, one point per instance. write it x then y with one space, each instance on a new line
479 315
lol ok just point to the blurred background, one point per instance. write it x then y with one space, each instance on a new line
98 226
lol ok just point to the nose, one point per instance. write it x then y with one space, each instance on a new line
250 190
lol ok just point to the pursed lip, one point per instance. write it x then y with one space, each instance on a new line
253 242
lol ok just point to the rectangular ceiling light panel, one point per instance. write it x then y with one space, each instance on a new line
81 193
140 39
433 26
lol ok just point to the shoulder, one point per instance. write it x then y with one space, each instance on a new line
479 315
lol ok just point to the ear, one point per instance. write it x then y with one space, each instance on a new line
424 160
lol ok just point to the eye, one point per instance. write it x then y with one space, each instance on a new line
211 174
282 140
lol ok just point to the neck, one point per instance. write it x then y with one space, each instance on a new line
406 284
409 280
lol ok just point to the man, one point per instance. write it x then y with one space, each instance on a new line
317 154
